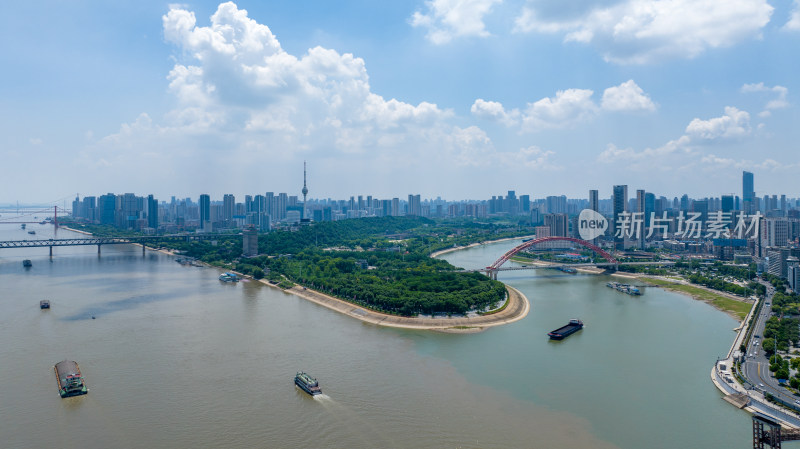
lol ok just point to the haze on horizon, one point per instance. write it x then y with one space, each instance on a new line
441 98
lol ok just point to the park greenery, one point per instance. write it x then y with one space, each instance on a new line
381 263
778 333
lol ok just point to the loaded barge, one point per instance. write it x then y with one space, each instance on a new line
307 383
563 332
70 380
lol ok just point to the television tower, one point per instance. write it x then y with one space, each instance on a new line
305 190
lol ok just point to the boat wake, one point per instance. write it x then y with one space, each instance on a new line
322 397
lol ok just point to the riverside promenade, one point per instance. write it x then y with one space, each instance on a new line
724 377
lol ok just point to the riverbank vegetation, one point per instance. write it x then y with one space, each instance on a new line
733 306
381 263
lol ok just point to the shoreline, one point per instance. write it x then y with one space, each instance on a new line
730 313
515 308
438 253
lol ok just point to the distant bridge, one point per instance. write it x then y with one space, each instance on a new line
611 262
99 241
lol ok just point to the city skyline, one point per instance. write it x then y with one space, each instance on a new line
436 98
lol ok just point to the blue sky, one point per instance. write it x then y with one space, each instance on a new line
458 98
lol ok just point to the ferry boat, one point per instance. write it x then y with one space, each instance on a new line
307 383
563 332
44 304
228 277
70 380
27 263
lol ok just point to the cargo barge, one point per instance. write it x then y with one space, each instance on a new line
307 383
563 332
70 380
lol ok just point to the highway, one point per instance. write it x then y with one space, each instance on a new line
755 367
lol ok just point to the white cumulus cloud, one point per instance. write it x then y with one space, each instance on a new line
647 31
565 109
494 110
448 19
779 100
733 124
628 96
794 18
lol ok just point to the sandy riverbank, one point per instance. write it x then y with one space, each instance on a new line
75 230
457 248
516 309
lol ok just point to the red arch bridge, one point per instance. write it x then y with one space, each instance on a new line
611 261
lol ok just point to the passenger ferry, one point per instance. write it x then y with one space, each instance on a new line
307 383
228 277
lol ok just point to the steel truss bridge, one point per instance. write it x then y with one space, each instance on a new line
100 241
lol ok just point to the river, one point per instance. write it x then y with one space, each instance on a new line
174 358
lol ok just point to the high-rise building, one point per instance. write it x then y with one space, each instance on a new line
525 203
558 224
594 201
414 205
640 208
228 206
106 209
727 203
250 241
205 212
152 212
748 194
620 203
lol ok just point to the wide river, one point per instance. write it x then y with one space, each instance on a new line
174 358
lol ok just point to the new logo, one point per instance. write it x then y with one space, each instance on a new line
591 224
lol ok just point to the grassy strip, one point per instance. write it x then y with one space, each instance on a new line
508 300
739 308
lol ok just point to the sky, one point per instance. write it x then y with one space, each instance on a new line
462 99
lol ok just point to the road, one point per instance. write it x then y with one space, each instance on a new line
755 367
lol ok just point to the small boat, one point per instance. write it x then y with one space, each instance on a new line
228 277
307 383
44 304
70 380
563 332
31 232
27 263
23 226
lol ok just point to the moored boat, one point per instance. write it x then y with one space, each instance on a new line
228 277
70 380
307 383
44 304
563 332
